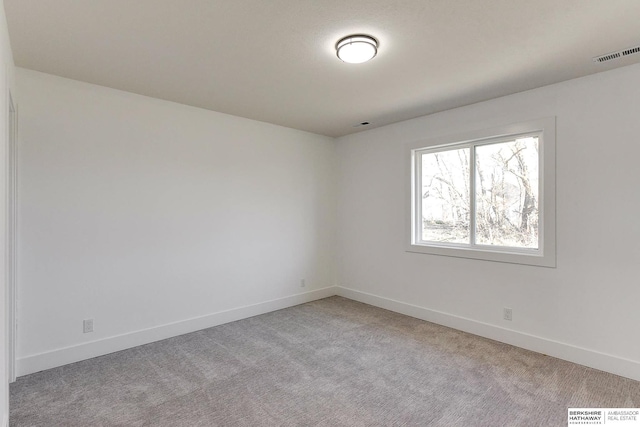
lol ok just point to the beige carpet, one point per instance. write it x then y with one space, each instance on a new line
333 362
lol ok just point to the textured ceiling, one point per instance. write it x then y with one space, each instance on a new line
275 61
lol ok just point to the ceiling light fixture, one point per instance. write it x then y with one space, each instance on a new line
356 49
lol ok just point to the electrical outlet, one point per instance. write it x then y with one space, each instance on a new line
507 314
87 326
303 283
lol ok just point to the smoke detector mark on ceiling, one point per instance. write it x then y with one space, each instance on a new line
615 55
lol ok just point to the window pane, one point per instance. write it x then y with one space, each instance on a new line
507 193
445 196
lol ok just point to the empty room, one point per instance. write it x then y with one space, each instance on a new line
320 213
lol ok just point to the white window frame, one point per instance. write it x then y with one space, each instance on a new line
545 254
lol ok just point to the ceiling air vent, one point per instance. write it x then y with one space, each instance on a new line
615 55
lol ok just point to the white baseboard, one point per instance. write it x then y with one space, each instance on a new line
593 359
582 356
63 356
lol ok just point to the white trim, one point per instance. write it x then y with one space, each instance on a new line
582 356
51 359
5 421
545 256
11 234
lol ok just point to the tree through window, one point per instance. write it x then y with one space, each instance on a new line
484 194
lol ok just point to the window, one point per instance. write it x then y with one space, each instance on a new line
486 195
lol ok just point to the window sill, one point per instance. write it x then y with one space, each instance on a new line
525 258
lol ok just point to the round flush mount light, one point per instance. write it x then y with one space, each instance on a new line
356 49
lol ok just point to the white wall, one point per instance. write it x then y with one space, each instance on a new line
144 215
587 309
141 213
6 84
